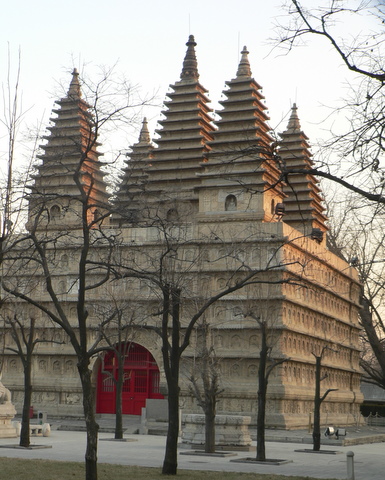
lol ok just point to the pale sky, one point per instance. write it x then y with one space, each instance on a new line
147 39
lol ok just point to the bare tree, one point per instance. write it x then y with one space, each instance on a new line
117 330
318 398
25 338
352 156
39 253
180 300
373 361
12 202
70 218
25 343
356 235
205 386
13 182
73 219
264 315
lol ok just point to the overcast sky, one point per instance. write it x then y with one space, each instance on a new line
147 39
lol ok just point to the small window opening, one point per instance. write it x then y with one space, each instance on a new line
96 215
230 203
55 212
172 215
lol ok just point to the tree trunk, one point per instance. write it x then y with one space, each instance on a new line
25 421
210 430
317 428
171 359
317 407
262 388
118 399
170 462
261 448
92 427
375 340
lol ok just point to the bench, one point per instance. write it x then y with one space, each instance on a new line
36 429
44 429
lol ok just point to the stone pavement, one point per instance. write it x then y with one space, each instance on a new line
148 450
131 423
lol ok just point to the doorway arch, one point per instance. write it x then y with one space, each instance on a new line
141 381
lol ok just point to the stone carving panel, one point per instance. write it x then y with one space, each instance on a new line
72 399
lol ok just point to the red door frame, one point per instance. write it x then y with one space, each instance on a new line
141 381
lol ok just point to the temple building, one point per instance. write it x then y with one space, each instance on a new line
206 207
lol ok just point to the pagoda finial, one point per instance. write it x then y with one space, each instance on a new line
144 136
190 64
244 65
294 120
74 91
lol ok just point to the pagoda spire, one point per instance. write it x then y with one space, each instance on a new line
294 123
304 204
190 64
74 91
144 136
244 69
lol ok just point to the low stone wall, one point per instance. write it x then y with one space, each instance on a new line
229 430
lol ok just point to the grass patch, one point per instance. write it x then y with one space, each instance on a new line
20 469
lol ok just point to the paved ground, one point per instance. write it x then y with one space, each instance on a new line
148 450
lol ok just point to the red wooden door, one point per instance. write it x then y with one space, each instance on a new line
141 381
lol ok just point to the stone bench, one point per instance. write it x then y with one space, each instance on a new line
36 429
43 430
40 430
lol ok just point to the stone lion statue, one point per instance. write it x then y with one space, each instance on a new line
5 394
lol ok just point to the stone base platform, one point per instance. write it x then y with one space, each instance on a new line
7 414
230 431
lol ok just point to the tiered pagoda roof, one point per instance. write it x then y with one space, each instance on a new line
70 153
135 178
242 149
186 129
303 205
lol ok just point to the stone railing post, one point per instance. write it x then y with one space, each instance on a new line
350 465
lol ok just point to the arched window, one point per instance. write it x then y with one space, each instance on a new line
54 212
62 287
230 203
64 260
172 215
96 215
